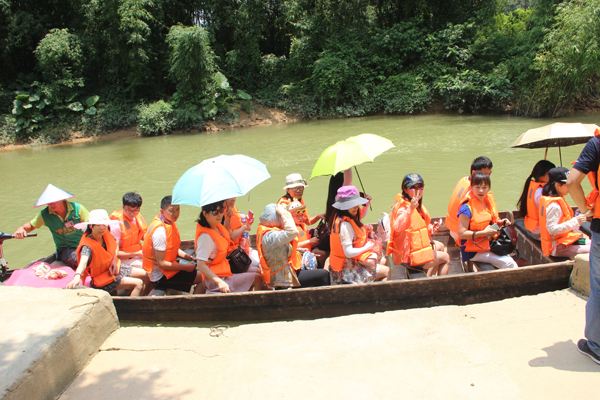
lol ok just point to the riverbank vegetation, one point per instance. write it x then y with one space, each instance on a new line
99 65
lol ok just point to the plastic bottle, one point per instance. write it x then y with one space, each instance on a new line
245 239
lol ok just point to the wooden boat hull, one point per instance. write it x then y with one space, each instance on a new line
541 275
333 301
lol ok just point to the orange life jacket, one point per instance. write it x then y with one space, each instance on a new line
532 219
266 271
417 234
593 199
235 222
286 202
337 256
462 188
219 265
173 244
458 197
101 260
482 215
304 234
565 238
132 232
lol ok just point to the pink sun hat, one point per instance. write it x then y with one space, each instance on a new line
348 197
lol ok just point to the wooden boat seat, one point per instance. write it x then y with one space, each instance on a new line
415 273
397 271
474 266
520 225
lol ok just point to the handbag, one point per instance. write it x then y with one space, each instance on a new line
239 261
506 242
322 233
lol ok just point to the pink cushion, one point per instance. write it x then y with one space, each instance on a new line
27 277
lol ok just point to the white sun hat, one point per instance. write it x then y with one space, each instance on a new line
97 217
294 180
52 194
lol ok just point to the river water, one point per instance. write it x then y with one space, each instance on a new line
439 147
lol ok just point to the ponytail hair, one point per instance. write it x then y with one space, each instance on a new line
540 169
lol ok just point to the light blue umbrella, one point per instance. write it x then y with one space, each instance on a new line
219 178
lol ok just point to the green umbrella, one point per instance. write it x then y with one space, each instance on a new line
349 153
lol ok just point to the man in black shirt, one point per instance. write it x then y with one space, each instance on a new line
589 161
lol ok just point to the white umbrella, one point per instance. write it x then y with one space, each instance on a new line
219 178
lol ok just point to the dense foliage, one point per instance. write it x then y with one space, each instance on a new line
98 65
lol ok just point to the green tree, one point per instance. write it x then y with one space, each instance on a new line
191 62
60 60
137 19
569 61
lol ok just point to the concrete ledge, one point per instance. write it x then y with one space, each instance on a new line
518 348
580 276
48 336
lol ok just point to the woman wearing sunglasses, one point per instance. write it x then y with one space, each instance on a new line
294 189
411 233
212 246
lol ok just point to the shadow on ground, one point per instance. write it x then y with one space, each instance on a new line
565 356
123 385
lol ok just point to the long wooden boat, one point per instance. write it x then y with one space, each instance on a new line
407 290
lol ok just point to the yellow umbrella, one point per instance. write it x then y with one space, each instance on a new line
558 134
349 153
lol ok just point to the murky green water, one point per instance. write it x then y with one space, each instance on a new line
439 147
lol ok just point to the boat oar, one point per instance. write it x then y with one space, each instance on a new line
362 186
5 236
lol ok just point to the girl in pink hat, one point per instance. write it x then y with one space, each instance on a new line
354 256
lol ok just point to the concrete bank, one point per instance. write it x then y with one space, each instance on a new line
580 276
47 336
521 348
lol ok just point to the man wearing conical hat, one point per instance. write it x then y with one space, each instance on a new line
60 216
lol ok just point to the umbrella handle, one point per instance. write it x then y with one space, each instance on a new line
362 186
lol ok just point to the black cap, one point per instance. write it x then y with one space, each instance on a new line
558 174
411 180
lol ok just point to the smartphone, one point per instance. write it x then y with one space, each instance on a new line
250 216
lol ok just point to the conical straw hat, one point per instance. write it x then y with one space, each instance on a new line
52 194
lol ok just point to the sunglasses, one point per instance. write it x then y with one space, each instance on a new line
217 211
417 187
